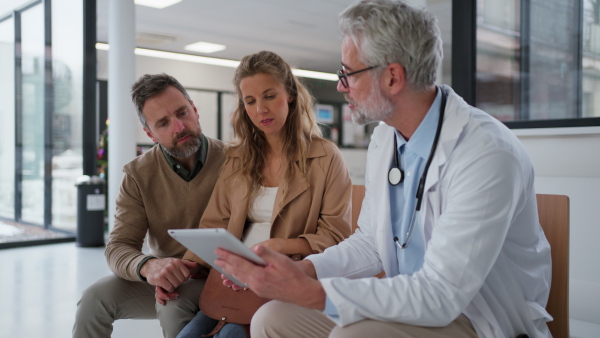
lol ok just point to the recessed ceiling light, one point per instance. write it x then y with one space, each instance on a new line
156 3
204 47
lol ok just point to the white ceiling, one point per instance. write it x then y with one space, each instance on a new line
303 32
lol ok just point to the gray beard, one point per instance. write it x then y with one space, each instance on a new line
375 108
188 149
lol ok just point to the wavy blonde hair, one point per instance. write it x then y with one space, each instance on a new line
299 129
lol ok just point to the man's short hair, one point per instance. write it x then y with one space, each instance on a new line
150 85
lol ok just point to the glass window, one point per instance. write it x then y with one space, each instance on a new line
67 68
228 105
498 58
538 60
32 58
553 61
7 6
206 103
7 114
591 59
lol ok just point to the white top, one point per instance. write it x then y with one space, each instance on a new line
486 255
261 212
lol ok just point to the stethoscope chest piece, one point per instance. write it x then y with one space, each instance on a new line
395 176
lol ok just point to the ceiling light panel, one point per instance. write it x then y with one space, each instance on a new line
204 47
156 3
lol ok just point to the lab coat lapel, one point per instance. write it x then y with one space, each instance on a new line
454 122
456 117
379 166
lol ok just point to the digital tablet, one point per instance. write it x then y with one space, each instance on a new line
204 242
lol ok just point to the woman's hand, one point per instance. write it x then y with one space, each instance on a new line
290 246
228 283
162 296
275 244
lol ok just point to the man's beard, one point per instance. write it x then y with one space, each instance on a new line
188 148
375 108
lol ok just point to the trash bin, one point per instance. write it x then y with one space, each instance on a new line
90 211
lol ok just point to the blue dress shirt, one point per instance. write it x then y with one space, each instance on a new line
413 155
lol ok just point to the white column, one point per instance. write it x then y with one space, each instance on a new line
121 112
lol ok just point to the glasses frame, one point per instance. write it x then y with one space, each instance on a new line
343 78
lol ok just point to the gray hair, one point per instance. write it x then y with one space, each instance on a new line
391 31
150 85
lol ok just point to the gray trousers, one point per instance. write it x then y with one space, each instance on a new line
112 298
285 320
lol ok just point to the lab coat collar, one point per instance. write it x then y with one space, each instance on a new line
456 117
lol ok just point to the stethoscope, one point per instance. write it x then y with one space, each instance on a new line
396 175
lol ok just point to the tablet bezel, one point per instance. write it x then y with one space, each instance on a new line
204 242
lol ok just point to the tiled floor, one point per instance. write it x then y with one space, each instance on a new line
41 285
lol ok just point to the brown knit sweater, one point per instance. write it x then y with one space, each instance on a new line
153 199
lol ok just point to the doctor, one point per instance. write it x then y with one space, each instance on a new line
449 213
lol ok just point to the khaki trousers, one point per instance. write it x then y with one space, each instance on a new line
279 319
112 298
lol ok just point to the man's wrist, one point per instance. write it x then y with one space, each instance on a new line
139 267
318 297
308 267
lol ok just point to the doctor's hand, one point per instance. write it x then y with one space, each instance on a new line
281 279
168 273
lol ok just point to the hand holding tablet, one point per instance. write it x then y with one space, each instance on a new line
204 242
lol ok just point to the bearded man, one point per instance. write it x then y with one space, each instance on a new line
167 187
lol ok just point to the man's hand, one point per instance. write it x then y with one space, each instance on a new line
281 279
167 273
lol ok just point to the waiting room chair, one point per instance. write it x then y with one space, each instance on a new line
553 211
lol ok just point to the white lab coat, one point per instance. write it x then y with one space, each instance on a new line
486 254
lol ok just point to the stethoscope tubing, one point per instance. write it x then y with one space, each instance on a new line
421 187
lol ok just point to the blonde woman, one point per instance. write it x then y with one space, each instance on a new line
282 184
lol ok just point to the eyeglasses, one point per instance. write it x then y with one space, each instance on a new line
344 77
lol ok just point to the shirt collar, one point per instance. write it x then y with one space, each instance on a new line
421 141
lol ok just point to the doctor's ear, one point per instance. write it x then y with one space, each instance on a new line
394 78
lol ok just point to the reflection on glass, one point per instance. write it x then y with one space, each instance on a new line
531 72
497 91
206 103
7 6
553 63
33 114
591 59
228 105
67 67
7 113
